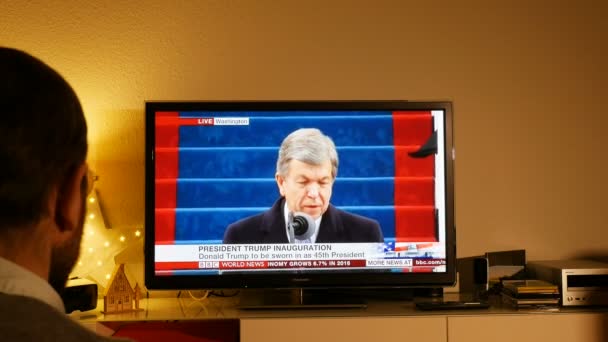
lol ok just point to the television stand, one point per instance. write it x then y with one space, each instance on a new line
355 298
298 299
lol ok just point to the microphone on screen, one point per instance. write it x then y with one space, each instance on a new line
301 226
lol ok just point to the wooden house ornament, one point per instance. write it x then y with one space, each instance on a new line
119 296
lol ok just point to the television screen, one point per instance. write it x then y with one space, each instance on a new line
299 194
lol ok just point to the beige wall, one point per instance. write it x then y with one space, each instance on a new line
528 84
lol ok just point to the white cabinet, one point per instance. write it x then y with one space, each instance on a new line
520 327
384 321
350 329
532 327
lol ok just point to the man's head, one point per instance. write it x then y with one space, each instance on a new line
43 147
306 170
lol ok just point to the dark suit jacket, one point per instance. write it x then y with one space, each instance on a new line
336 226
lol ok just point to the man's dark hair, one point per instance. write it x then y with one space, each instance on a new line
43 136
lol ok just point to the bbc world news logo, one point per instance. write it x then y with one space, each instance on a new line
223 121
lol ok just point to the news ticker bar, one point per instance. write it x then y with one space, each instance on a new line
311 252
306 264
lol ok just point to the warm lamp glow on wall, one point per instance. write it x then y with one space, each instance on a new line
100 244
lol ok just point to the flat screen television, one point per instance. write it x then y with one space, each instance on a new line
389 221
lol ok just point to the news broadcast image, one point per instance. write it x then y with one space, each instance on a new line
215 168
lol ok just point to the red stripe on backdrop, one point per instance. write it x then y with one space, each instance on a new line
411 128
166 166
167 159
415 224
164 225
410 131
166 135
407 166
415 191
165 193
164 220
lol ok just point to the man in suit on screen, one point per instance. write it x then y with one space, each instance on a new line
306 170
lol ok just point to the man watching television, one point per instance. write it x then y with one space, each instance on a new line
307 166
43 186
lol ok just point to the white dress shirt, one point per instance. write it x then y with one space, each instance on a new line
16 280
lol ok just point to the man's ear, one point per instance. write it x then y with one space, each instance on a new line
70 194
280 182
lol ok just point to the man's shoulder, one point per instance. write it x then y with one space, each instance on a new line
253 220
257 219
244 229
358 228
354 219
28 319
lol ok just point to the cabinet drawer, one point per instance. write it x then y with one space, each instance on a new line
532 327
428 329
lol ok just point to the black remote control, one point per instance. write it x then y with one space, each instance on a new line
452 305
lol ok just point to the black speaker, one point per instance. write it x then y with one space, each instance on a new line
79 294
480 272
480 277
466 273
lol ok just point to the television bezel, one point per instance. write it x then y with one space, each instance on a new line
303 280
